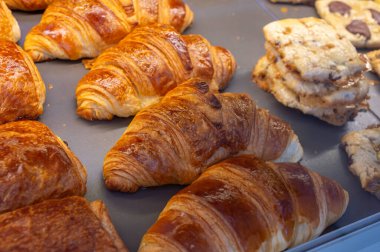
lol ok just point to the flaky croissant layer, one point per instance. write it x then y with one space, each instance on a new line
245 204
144 66
192 128
74 29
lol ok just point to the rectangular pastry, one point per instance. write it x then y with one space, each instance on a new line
36 165
69 224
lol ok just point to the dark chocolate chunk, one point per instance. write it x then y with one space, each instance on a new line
339 7
375 15
334 78
359 27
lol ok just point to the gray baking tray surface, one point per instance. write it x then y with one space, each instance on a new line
236 25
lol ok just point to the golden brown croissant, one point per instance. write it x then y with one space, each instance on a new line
36 165
192 128
244 204
9 28
22 89
74 29
28 5
69 224
144 66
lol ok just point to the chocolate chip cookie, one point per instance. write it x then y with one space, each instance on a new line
363 149
374 58
331 111
310 67
313 48
359 21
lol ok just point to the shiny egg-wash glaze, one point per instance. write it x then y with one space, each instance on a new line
21 85
144 66
245 204
192 128
74 29
9 28
36 165
69 224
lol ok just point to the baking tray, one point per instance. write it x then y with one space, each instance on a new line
365 239
236 25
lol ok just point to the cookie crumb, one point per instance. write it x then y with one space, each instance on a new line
284 10
50 86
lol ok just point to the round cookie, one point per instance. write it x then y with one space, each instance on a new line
359 21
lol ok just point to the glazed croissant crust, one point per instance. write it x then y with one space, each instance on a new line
69 224
144 66
28 5
74 29
192 128
22 89
9 28
244 204
36 165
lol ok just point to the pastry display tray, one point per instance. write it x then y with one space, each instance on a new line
236 25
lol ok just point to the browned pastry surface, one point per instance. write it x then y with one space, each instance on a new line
74 29
144 66
22 89
190 129
69 224
9 28
28 5
244 204
36 165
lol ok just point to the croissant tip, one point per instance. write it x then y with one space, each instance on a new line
85 114
114 183
37 56
91 114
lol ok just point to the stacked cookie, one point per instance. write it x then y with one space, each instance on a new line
310 67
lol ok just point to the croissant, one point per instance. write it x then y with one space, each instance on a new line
192 128
22 89
36 165
244 204
9 28
69 224
74 29
28 5
144 66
